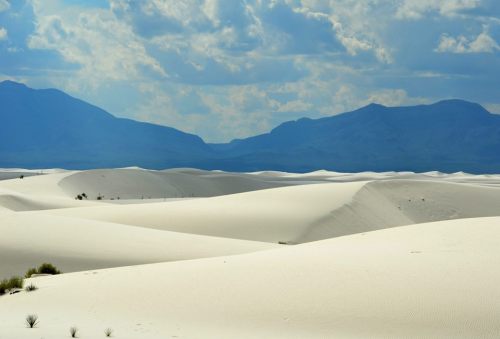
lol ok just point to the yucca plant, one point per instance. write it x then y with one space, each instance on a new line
31 287
108 332
31 320
73 331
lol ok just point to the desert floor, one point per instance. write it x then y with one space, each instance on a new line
187 253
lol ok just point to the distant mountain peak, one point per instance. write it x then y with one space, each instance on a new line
454 102
12 84
374 105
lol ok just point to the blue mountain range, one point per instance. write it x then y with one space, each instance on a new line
47 128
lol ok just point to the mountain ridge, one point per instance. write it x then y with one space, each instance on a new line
49 128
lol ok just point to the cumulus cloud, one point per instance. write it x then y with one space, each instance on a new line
3 34
411 9
103 47
393 97
483 43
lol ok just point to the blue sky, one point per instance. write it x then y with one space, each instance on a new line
227 69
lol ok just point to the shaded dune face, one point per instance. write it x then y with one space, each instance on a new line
390 203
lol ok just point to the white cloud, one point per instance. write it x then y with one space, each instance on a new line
3 34
483 43
356 24
393 97
492 107
4 5
416 9
105 48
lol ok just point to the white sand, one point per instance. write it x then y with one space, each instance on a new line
305 213
209 266
273 215
435 280
74 244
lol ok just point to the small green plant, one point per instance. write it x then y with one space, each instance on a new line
15 282
3 286
47 268
30 288
108 332
73 331
9 284
31 320
30 272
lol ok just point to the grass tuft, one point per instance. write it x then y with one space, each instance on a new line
31 320
30 272
73 331
30 288
108 332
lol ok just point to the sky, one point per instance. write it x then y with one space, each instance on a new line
226 69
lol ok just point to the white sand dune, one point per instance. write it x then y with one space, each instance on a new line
305 213
75 244
389 203
195 254
37 186
435 280
144 184
273 215
24 202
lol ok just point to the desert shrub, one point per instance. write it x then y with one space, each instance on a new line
31 287
31 320
30 272
47 268
3 286
73 331
108 332
15 282
9 284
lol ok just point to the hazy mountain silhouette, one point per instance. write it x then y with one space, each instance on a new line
48 128
451 135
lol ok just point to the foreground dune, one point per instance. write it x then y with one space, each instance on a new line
435 280
201 258
75 244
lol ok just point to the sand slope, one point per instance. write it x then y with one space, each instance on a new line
267 215
209 266
73 244
305 213
177 183
389 203
436 280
